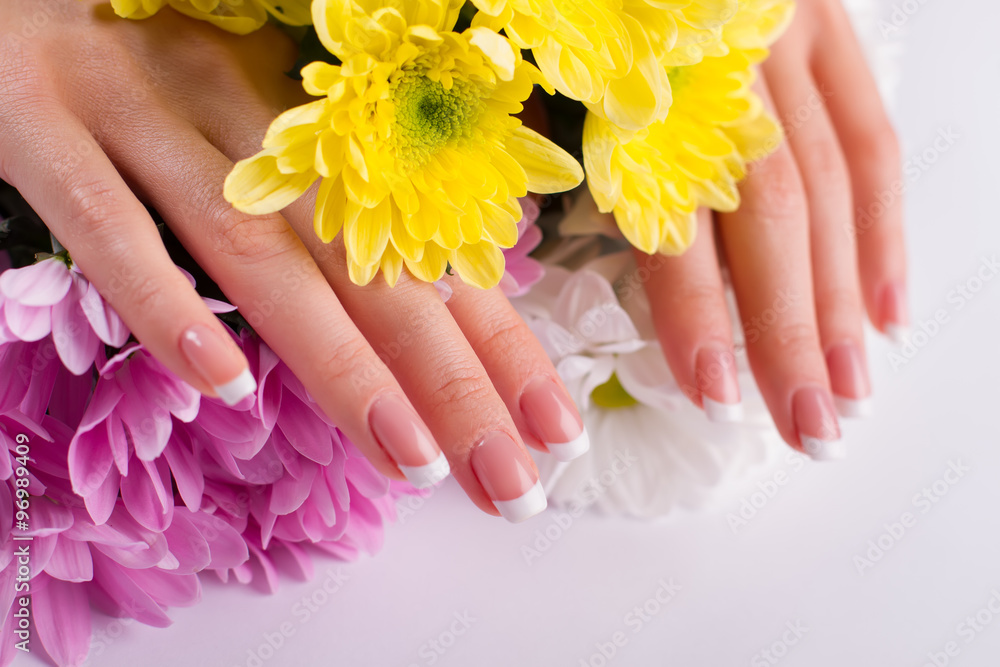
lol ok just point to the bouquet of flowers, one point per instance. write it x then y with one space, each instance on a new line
122 485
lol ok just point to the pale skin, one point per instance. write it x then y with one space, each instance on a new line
100 115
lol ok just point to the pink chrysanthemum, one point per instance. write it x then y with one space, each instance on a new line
137 484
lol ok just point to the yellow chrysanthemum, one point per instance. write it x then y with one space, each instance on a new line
237 16
655 181
420 158
610 54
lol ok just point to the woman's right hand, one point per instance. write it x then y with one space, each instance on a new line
99 115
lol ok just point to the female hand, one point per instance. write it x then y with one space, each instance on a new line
816 244
99 115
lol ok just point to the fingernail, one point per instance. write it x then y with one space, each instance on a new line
895 312
849 380
715 372
817 426
219 363
407 441
506 472
554 419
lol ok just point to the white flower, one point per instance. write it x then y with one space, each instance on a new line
652 450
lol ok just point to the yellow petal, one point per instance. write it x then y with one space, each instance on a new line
331 205
549 168
480 264
367 233
496 49
431 266
255 185
392 266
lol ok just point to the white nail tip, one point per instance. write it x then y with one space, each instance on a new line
722 413
234 392
897 333
852 408
824 450
427 475
528 505
567 451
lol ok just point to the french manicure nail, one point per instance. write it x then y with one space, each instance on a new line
407 441
817 426
895 312
715 372
554 419
849 381
506 472
219 363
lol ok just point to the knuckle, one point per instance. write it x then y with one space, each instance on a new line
695 292
501 336
826 166
795 337
839 302
250 239
781 193
89 204
350 360
461 384
145 295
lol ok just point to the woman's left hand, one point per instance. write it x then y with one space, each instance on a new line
816 244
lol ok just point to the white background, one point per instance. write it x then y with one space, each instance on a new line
793 562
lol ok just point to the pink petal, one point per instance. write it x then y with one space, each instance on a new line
144 492
227 546
288 493
243 433
271 579
292 459
101 502
365 526
103 319
163 388
269 387
128 543
90 461
41 551
339 550
15 359
61 613
187 473
363 475
264 468
70 561
47 518
308 434
41 284
187 544
76 342
124 592
6 470
107 394
115 363
44 372
218 307
149 425
118 442
167 588
321 500
69 397
529 211
289 556
28 323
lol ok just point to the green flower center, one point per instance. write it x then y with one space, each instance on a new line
430 116
612 394
679 77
